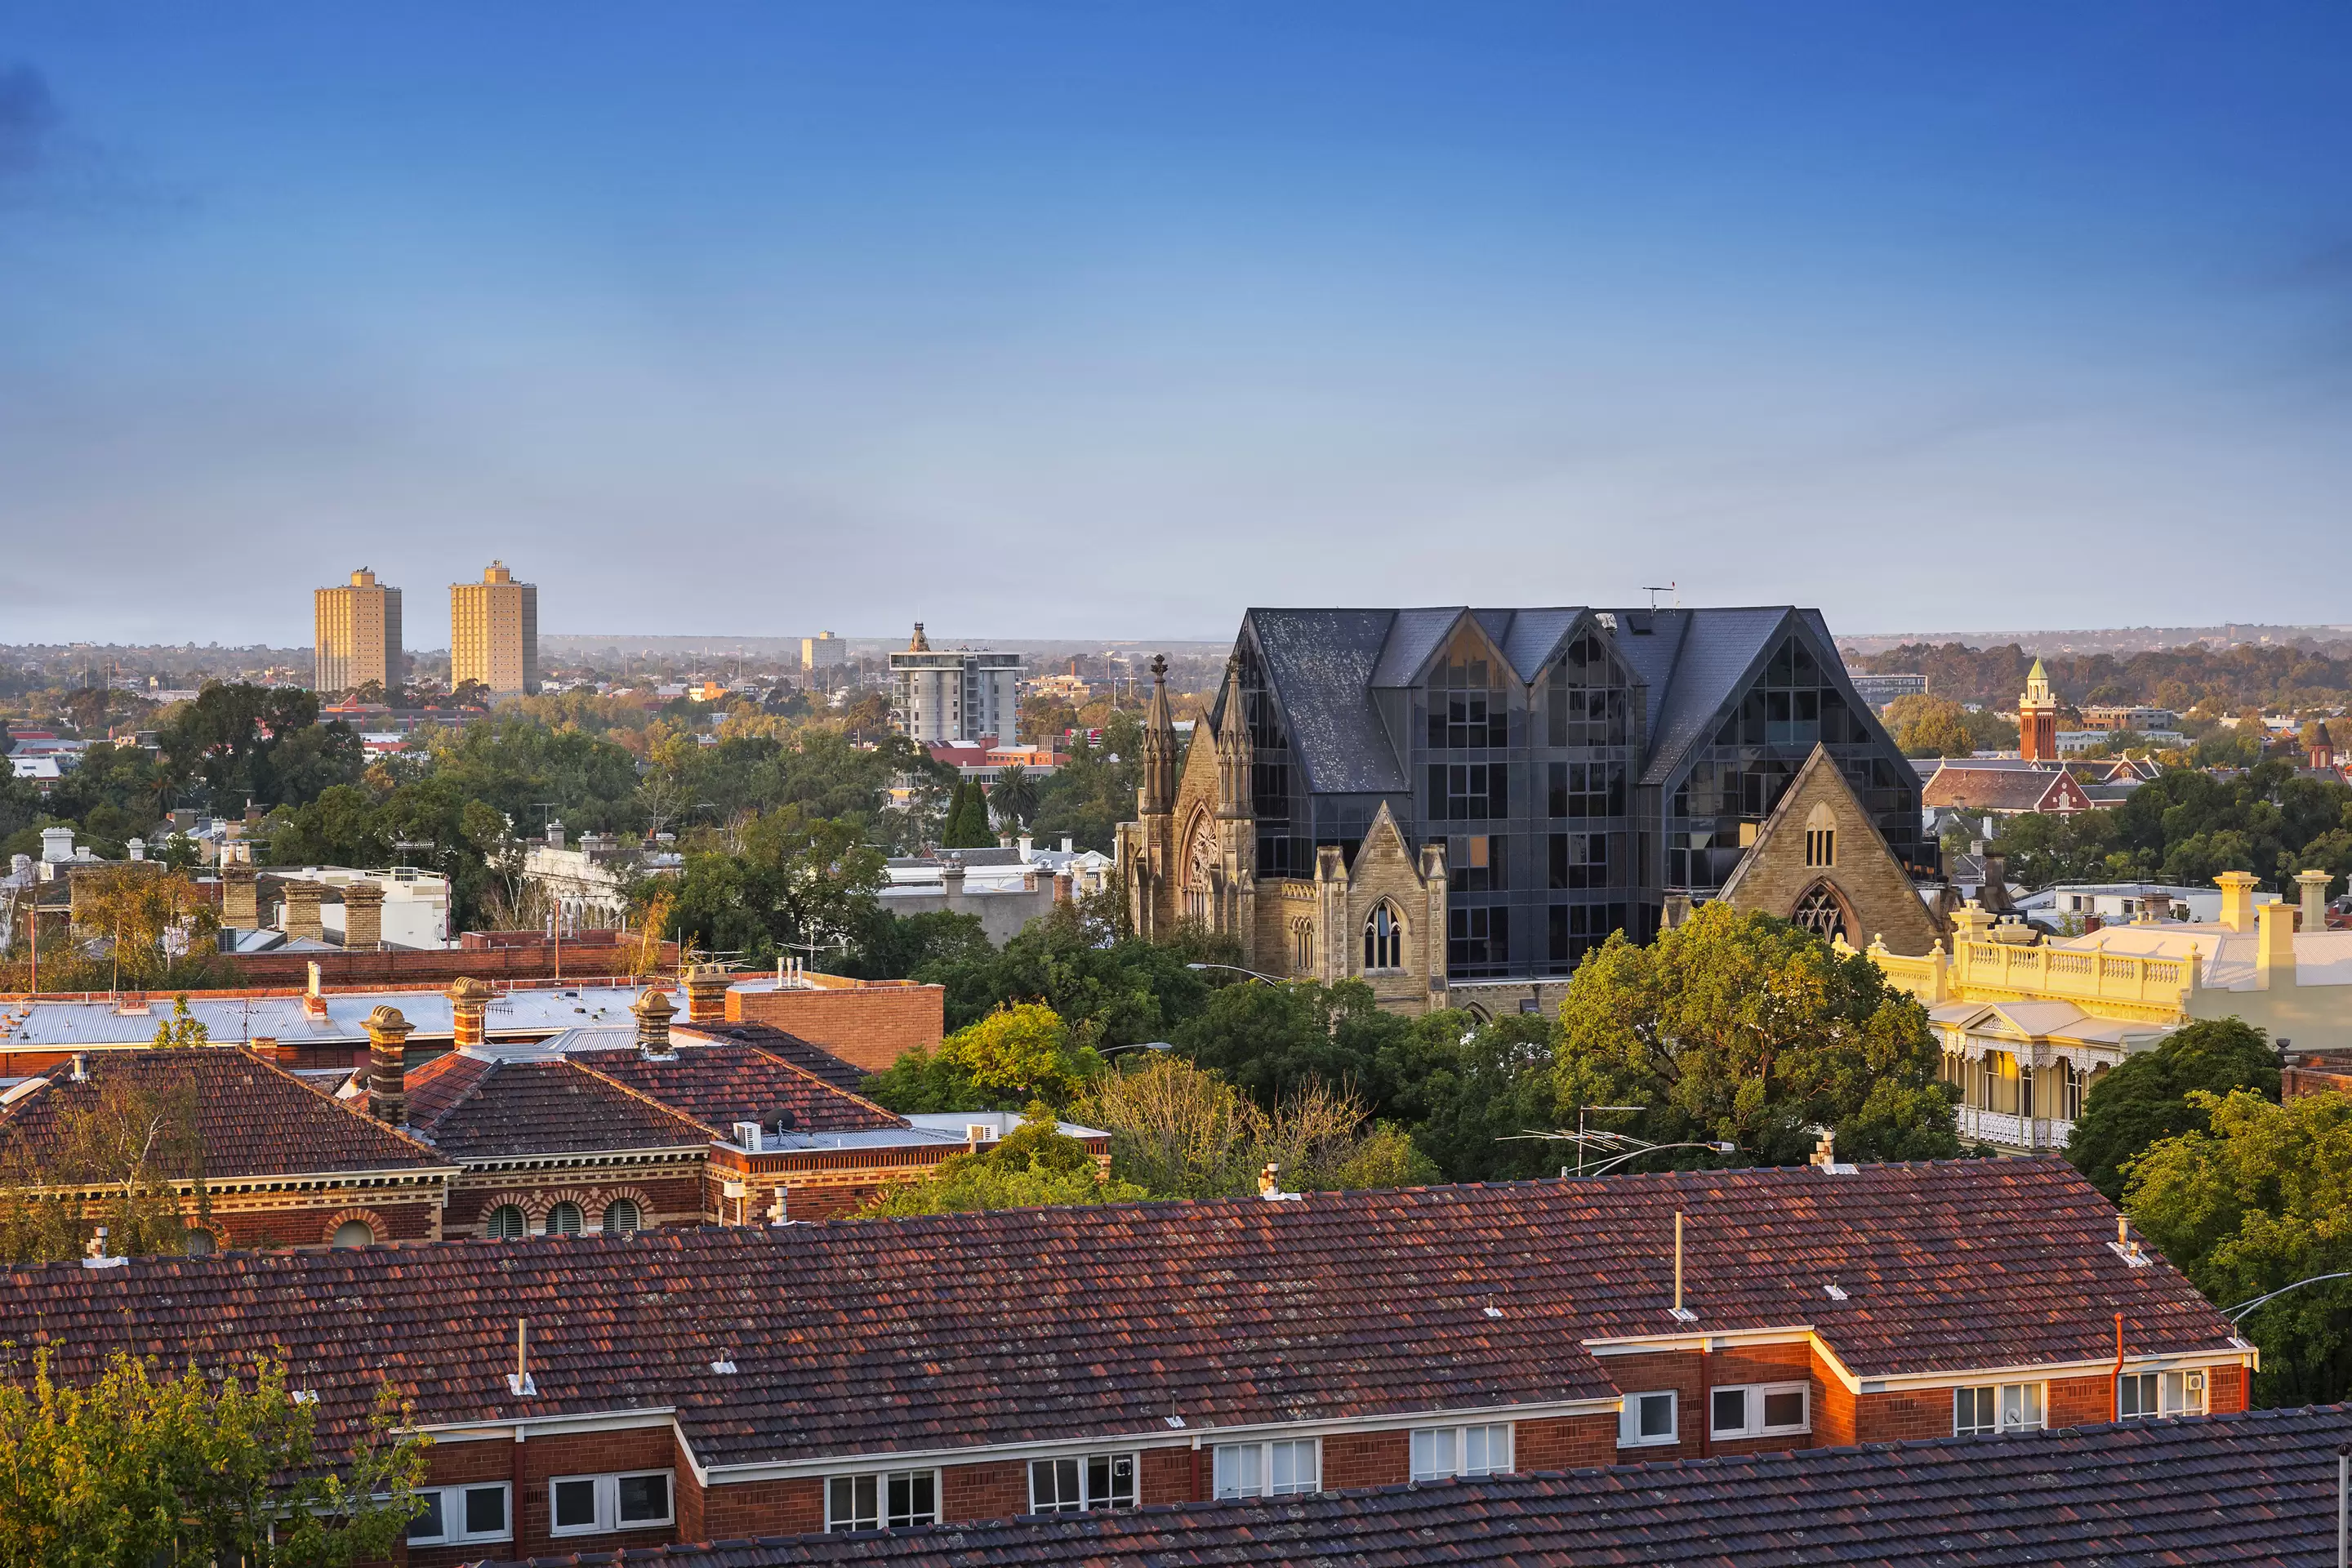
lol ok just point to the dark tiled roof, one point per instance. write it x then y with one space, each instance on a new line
721 1083
253 1118
776 1043
1040 1324
552 1106
1711 659
2256 1488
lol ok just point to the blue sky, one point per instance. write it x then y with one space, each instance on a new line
1110 319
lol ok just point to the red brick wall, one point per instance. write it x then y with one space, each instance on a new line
832 1202
1567 1443
2225 1390
870 1026
763 1507
665 1200
2079 1401
1367 1460
308 1226
532 1464
1903 1413
1167 1475
1655 1370
1836 1419
996 1491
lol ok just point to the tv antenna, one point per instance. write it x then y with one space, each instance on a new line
1653 592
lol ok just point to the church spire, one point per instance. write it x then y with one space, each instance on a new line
1234 747
1157 792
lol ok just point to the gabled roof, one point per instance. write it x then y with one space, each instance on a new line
2257 1488
1035 1325
721 1083
252 1117
2000 789
1713 653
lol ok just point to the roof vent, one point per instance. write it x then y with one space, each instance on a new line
2126 1247
81 1068
1834 1293
725 1364
1641 623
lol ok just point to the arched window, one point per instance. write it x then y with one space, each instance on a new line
1302 947
199 1242
506 1224
1383 939
1820 835
354 1233
564 1219
621 1218
1201 875
1822 912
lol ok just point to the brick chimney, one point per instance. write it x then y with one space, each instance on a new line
469 999
240 903
706 993
314 1001
387 1086
302 911
654 1010
362 917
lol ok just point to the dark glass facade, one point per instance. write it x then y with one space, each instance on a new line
1535 787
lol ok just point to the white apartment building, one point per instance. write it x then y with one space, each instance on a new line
953 696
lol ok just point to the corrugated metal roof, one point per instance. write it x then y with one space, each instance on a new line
232 1020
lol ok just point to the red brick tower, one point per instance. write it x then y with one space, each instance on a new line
2037 718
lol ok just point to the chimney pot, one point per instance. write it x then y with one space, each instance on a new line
387 1085
706 993
654 1010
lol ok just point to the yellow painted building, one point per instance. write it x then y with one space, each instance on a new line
2028 1024
355 637
494 633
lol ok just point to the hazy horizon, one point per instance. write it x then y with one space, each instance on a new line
1098 318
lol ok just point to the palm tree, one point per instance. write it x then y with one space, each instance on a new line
1013 797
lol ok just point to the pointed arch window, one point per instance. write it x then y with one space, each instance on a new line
1383 939
1822 912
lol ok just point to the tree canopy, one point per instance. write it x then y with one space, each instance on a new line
2186 827
1035 1164
2151 1095
1737 1027
2258 1198
1020 1054
140 1467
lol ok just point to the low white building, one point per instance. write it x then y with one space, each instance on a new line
2122 903
416 902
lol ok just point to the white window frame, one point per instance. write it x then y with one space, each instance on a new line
608 1520
1753 1409
1428 1464
1259 1458
1629 1419
882 1519
1087 1501
2009 1401
452 1513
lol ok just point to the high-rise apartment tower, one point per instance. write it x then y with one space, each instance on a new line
954 696
356 637
494 633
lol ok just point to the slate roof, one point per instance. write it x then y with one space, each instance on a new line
777 1043
2253 1488
723 1082
252 1117
1105 1321
1324 666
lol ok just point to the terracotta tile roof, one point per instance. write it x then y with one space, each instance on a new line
2001 789
776 1043
2256 1488
254 1118
1039 1324
487 1108
723 1082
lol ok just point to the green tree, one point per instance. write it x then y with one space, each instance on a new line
1180 1131
2258 1200
1270 1041
1087 798
1013 798
1036 1164
140 1468
893 947
967 823
182 1029
1741 1027
1928 726
114 1156
1019 1054
1466 1091
1112 988
2151 1095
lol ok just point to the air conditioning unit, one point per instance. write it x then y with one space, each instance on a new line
747 1135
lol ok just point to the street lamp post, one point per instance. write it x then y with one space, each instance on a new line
1237 969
